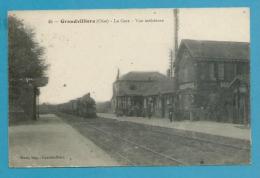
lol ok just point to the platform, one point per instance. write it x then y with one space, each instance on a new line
50 142
209 127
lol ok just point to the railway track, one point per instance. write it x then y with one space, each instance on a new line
123 140
205 141
179 162
246 148
195 144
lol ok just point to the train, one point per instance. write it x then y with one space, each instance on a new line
84 106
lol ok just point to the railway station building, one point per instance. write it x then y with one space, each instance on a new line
213 80
141 94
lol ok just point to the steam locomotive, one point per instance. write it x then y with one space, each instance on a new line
84 106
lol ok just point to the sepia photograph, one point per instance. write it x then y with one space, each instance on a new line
129 87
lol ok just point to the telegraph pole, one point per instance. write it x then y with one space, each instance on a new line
175 41
176 31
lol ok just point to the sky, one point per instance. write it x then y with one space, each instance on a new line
85 57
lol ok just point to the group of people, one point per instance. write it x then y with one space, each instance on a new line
171 112
137 110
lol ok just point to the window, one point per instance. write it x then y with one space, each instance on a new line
238 69
229 71
241 69
132 87
204 71
221 71
212 71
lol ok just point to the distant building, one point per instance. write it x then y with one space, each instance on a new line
208 75
132 91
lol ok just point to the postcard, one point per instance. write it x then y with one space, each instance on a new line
129 87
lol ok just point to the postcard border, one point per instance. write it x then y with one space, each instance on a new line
240 171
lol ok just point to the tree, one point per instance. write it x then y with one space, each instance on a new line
26 60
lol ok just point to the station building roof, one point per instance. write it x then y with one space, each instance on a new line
143 76
216 50
150 83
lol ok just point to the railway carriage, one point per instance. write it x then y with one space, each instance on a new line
84 106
